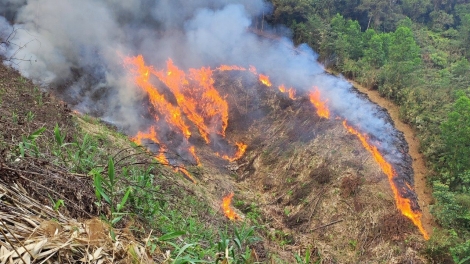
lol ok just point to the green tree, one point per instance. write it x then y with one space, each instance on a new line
287 11
461 67
464 31
404 57
354 38
416 9
374 53
456 137
441 20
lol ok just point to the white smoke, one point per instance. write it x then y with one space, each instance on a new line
78 46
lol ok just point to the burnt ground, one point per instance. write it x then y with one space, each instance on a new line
423 190
310 184
317 188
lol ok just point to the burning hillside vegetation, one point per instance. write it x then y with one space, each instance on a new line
275 126
207 111
214 101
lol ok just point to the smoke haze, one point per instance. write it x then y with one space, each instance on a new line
78 48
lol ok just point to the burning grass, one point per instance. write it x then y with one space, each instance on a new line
291 167
319 187
51 172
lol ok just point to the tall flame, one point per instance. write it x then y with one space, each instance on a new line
322 109
228 211
403 204
196 99
199 100
172 114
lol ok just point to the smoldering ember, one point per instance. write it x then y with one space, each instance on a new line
231 106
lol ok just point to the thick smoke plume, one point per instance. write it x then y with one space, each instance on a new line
78 48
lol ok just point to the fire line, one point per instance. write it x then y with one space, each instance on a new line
402 203
201 103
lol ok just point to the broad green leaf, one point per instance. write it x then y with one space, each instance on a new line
116 219
36 133
124 199
111 171
171 235
98 187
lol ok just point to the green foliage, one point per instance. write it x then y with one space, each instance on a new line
306 258
80 155
416 53
29 116
461 252
106 188
375 53
464 32
441 20
28 145
236 249
448 211
461 67
59 203
437 247
456 137
416 9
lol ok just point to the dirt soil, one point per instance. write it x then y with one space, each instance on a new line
423 190
24 109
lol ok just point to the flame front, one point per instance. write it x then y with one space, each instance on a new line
322 109
228 211
200 102
403 204
172 114
197 100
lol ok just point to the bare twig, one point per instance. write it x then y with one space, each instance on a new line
19 241
327 225
11 244
8 42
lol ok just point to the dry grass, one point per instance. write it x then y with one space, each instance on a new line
34 233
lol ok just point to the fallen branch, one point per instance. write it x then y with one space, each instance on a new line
327 225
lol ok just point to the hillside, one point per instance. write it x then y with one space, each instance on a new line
304 185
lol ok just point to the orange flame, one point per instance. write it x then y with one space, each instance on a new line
291 91
228 211
198 98
240 152
322 109
160 157
192 150
152 136
265 80
403 204
171 113
230 68
186 173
